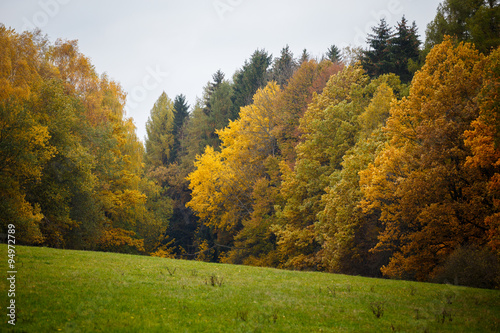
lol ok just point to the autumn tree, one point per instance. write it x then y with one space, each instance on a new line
71 162
24 140
222 182
430 202
328 129
484 141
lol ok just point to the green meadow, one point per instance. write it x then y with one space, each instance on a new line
78 291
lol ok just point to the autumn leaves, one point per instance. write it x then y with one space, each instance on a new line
380 181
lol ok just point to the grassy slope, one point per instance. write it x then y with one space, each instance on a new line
76 291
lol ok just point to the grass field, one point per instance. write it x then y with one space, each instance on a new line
77 291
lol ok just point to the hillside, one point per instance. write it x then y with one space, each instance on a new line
77 291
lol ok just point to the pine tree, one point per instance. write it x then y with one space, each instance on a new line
333 54
405 46
251 77
181 115
378 60
283 67
304 57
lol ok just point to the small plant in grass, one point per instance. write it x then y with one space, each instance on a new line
417 314
377 309
413 290
171 272
274 317
443 315
214 281
449 297
331 290
242 315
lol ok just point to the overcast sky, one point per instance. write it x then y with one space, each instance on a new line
175 46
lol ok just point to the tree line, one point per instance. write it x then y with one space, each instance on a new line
380 161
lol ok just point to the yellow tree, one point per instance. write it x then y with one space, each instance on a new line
24 140
222 182
484 140
430 202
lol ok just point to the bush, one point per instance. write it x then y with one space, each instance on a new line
472 267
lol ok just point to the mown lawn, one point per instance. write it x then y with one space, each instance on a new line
77 291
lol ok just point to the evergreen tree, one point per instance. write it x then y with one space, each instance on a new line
333 54
405 46
283 67
475 21
251 77
181 115
304 57
159 128
218 78
378 60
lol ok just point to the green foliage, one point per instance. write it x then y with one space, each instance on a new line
181 111
377 59
252 76
333 54
392 52
159 128
283 67
475 21
470 266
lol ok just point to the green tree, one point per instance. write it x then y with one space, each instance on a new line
476 21
405 49
159 128
329 129
346 233
378 59
252 76
181 115
333 54
283 67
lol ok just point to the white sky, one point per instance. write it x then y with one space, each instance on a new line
152 46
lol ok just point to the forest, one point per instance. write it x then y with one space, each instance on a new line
381 162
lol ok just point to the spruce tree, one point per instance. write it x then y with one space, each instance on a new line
283 67
251 77
333 54
181 114
405 46
378 59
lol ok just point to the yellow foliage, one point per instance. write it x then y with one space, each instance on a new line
222 181
120 240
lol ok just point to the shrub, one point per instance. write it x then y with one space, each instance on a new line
472 267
